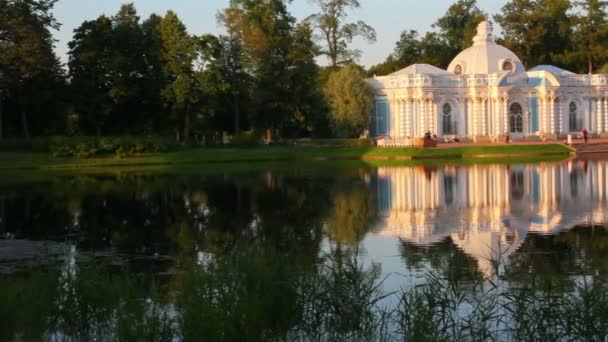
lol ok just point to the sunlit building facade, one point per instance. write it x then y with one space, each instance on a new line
486 92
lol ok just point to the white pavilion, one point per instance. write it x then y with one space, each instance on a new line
487 92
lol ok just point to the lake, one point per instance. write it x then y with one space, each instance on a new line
466 252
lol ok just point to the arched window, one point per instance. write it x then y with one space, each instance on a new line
507 66
449 126
574 123
516 120
458 69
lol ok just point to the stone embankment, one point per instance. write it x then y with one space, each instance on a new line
593 146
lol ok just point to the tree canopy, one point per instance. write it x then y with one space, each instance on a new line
128 75
351 100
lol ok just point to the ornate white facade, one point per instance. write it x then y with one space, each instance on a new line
486 92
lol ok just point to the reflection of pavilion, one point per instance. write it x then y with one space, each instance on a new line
487 210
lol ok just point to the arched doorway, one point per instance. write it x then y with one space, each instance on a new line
516 120
575 123
447 120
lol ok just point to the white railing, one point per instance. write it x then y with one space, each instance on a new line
395 142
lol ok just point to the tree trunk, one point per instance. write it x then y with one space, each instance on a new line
237 116
1 121
24 124
590 64
186 128
2 216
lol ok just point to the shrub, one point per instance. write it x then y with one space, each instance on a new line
87 147
246 139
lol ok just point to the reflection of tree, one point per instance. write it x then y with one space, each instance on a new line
550 260
353 213
443 258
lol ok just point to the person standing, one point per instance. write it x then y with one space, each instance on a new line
585 134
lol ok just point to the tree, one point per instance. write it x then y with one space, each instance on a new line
128 71
458 25
263 29
351 101
456 29
538 31
179 52
590 35
26 51
235 77
336 34
307 101
90 63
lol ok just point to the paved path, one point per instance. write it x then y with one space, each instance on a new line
593 146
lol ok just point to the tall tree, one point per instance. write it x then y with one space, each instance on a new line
455 32
128 68
538 31
26 51
235 76
336 33
179 52
91 69
307 102
458 25
263 28
351 101
590 36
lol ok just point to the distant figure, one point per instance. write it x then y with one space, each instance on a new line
585 134
507 137
427 135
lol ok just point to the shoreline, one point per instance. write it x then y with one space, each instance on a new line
298 155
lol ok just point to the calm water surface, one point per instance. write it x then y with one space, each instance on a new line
296 254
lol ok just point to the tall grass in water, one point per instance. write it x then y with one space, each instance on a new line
249 299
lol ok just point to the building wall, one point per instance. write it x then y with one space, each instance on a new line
481 109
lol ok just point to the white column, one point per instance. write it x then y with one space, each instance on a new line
506 114
468 113
484 122
497 118
414 118
552 115
434 126
399 121
408 118
605 114
541 114
431 110
599 116
560 117
475 117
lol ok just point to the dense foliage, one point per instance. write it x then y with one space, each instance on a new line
351 101
132 76
564 33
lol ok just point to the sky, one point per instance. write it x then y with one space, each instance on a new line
388 17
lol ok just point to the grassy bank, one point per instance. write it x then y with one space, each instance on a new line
184 158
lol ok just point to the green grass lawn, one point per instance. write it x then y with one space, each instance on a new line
265 155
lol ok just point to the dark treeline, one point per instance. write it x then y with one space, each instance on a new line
128 75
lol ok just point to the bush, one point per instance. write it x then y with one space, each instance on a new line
246 139
332 143
87 147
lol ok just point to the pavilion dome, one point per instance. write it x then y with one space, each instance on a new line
485 56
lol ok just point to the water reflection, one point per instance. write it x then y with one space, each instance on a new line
488 210
290 255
